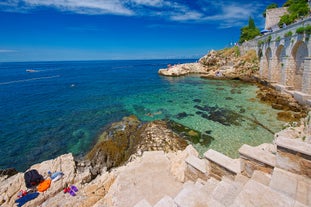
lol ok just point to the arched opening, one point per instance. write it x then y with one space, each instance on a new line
259 54
299 52
279 71
267 70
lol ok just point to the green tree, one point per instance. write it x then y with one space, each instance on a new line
249 32
251 23
299 8
288 3
271 6
296 10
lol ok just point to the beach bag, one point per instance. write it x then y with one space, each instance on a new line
44 185
32 178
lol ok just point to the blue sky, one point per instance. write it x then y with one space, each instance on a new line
39 30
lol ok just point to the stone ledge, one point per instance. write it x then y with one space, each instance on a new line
224 161
258 155
282 88
308 102
197 163
301 97
294 145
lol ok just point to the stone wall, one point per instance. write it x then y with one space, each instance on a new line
273 17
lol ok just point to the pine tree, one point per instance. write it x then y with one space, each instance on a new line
249 32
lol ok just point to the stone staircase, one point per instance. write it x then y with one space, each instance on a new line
277 175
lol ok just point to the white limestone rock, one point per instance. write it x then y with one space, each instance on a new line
183 69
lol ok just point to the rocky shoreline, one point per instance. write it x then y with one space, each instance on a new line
228 64
116 172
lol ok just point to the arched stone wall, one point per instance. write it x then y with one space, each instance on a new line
285 60
299 53
280 65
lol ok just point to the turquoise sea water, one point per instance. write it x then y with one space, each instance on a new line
63 106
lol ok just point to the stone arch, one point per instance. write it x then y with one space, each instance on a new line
299 53
279 71
267 71
259 54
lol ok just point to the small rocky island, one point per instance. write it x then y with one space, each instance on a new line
152 164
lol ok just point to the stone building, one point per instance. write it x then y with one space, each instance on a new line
273 17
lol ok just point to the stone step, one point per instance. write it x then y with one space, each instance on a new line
241 179
254 158
197 163
261 177
292 185
221 165
196 168
200 183
188 183
194 196
143 203
210 185
256 194
226 191
166 201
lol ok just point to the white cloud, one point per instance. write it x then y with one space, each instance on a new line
187 16
84 6
153 3
233 14
9 3
225 13
6 51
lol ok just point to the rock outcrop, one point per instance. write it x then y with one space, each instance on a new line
184 69
130 137
223 64
228 64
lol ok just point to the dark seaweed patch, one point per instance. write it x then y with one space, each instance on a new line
235 91
182 115
190 134
208 131
197 100
221 115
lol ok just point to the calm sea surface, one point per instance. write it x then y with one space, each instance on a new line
63 106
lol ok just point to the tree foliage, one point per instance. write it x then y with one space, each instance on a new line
296 9
249 32
271 6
